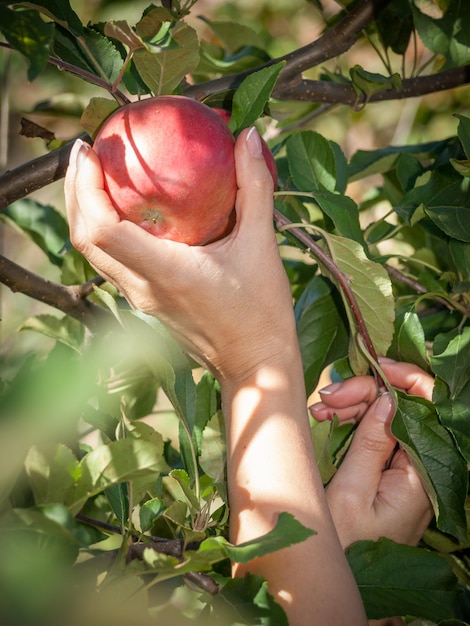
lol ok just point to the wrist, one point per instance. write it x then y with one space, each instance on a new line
272 364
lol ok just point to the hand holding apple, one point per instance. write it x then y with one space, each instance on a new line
229 302
169 166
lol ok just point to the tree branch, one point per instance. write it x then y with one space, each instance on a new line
70 300
46 169
36 174
344 93
172 547
329 45
30 177
283 224
333 42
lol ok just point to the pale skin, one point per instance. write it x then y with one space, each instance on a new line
230 306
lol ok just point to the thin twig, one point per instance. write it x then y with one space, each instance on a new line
284 224
78 71
406 280
171 547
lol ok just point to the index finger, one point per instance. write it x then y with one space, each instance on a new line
408 377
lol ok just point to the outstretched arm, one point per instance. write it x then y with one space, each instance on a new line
230 305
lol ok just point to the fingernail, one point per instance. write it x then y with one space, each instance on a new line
253 141
320 412
317 406
385 359
385 408
78 153
329 389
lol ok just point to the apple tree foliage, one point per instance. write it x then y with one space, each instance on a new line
113 501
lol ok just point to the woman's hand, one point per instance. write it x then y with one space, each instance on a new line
228 303
376 491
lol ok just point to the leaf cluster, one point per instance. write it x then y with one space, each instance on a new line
112 459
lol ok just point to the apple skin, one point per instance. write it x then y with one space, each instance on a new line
268 155
168 165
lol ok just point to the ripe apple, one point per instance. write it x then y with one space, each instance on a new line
168 165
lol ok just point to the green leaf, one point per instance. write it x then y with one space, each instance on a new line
92 52
287 531
462 166
26 32
67 330
149 512
53 400
104 57
75 268
367 162
244 59
312 161
322 333
107 299
395 579
372 290
121 31
449 35
207 406
67 48
249 599
43 224
162 39
344 213
452 388
409 342
118 498
460 253
433 452
212 457
185 392
250 99
177 512
152 22
399 14
113 463
464 133
445 201
183 480
51 470
450 211
368 83
60 12
163 71
234 35
331 440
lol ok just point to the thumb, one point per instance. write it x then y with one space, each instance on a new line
254 180
370 449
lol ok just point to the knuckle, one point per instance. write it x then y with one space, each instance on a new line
77 239
374 443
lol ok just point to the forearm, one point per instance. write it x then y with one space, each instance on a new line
271 469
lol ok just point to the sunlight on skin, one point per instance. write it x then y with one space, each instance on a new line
271 469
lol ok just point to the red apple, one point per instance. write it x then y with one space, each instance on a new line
268 155
168 165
